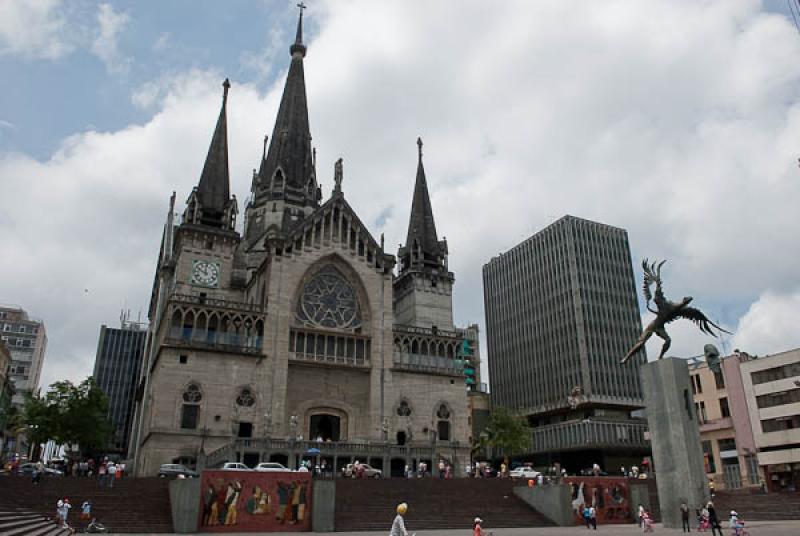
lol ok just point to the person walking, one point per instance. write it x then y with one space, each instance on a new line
477 530
102 471
685 517
112 474
398 525
593 517
713 519
586 517
441 469
641 515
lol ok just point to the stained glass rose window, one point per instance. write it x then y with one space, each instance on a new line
328 301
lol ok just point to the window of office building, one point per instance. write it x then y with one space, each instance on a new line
708 455
719 380
778 399
776 373
724 408
781 423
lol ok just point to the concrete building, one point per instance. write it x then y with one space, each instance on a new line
26 338
561 311
116 370
726 432
6 393
772 390
297 333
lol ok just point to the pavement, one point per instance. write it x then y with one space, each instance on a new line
756 528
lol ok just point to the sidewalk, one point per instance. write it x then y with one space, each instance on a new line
756 528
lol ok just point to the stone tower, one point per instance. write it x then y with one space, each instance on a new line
424 286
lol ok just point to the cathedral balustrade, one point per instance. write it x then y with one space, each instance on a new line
214 302
588 433
336 448
332 348
428 363
207 327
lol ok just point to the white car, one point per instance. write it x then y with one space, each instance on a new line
235 466
272 467
524 472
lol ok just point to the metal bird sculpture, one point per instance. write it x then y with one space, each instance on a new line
666 312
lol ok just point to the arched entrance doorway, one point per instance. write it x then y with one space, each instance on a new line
325 426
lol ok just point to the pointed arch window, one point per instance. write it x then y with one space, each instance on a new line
443 426
190 410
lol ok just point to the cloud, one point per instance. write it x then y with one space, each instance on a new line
106 46
770 325
33 29
677 121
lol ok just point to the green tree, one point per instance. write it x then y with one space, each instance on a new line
68 414
507 432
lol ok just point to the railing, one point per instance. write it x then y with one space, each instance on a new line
327 448
428 363
588 433
215 302
479 388
416 330
330 359
222 341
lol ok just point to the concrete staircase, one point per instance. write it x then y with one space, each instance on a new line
139 505
432 504
756 506
21 522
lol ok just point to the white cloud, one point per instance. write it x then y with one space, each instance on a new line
33 29
678 121
771 324
106 44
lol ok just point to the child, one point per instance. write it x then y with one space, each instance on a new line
86 511
647 522
736 524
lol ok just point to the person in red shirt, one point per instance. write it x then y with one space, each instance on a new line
477 530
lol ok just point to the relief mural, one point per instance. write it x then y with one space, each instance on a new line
610 497
242 501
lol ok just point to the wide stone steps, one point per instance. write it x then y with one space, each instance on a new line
21 522
433 504
139 505
758 506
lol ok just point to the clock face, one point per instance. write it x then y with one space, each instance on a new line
205 273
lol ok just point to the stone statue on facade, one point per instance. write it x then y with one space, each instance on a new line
666 311
338 175
711 354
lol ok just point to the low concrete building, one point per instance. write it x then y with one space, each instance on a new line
772 389
726 433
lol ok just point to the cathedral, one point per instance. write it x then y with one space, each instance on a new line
301 335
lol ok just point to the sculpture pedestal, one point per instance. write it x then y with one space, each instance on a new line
674 438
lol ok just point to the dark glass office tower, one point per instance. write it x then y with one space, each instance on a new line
561 311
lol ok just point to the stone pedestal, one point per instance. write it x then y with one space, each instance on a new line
674 437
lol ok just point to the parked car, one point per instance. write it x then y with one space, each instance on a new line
234 466
369 471
524 472
27 469
272 467
174 470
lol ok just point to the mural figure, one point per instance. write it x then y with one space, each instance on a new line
231 497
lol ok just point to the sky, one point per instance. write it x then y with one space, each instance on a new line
678 121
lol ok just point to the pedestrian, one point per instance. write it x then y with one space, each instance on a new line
38 469
647 522
102 471
407 471
622 471
398 525
586 515
441 469
640 512
121 470
593 517
63 511
685 517
711 487
112 474
713 520
86 511
477 530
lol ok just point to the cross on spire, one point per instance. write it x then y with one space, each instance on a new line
419 147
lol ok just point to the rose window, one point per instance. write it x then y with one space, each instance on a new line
328 301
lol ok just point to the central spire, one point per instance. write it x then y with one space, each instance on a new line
287 170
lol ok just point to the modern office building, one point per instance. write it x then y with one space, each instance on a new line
772 390
26 338
561 311
726 433
116 367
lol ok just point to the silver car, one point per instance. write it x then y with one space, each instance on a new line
272 467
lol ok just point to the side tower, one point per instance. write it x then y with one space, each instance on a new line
423 290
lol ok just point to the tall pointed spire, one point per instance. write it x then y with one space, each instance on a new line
422 248
213 190
287 171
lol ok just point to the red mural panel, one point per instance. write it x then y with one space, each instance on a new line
250 501
609 495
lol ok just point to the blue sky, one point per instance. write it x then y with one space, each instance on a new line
676 120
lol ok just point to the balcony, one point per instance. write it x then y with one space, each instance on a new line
326 359
430 364
217 303
214 341
588 434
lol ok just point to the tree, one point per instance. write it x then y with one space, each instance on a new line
506 431
68 414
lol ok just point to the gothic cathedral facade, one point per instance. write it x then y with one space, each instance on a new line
298 333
